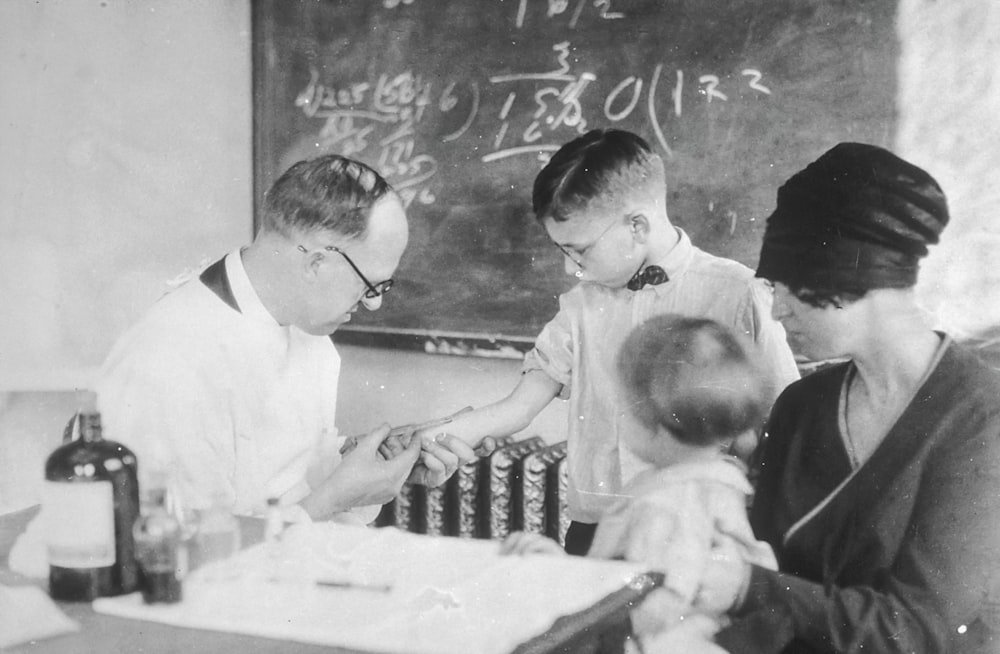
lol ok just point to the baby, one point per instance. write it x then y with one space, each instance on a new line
693 383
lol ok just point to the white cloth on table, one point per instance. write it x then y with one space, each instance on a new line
387 590
28 556
27 614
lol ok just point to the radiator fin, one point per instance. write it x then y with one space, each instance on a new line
520 487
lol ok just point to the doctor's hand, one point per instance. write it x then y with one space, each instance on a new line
484 447
363 476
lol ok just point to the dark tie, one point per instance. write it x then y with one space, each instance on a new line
649 275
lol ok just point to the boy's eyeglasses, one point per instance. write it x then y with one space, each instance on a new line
578 260
374 290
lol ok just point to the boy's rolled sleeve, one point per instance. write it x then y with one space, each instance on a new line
553 351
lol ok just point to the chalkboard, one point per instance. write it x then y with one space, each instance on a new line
459 104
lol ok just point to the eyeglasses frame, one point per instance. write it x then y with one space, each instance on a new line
583 253
374 290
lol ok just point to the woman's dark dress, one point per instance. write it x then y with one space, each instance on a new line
900 555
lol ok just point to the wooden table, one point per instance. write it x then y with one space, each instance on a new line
598 629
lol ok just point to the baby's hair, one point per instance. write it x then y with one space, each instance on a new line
693 377
602 165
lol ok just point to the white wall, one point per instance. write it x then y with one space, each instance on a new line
126 157
949 103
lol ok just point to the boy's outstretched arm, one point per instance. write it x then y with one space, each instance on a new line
510 415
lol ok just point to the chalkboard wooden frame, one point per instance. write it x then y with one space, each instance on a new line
734 99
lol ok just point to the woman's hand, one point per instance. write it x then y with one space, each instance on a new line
724 582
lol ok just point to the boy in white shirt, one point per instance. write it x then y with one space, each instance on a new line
602 201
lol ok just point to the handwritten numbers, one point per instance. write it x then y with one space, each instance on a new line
381 119
341 132
755 77
504 111
676 93
522 8
651 107
557 7
563 49
710 90
449 101
572 111
631 80
606 13
556 104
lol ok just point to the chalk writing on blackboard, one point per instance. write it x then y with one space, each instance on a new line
377 120
389 111
557 7
460 104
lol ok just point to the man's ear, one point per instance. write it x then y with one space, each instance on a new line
312 262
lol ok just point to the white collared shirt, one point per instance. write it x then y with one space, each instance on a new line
233 406
579 346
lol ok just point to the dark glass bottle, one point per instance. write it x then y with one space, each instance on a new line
90 503
158 549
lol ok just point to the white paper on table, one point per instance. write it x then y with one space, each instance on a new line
28 614
29 556
448 595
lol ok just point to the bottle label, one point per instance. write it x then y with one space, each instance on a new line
79 524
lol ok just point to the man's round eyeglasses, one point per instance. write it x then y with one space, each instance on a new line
374 290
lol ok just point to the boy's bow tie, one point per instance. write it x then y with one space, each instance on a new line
649 275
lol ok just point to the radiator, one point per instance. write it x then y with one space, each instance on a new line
520 487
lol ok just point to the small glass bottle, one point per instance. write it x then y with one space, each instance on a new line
158 548
90 501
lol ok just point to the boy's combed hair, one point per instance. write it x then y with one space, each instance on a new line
328 193
692 376
605 164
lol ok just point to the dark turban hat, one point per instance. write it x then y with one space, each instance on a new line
857 218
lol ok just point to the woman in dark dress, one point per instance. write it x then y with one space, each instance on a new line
879 478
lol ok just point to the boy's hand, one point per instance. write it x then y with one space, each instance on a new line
439 459
520 543
394 444
486 447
